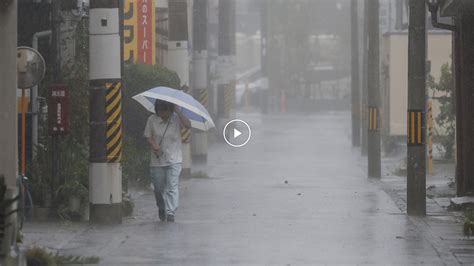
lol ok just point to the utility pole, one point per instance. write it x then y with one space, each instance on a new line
464 75
226 62
56 77
374 161
199 74
416 161
264 95
355 78
105 174
457 94
8 115
364 116
212 53
55 39
178 61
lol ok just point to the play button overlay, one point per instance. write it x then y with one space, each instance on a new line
237 133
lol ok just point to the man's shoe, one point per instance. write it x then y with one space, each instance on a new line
162 215
170 218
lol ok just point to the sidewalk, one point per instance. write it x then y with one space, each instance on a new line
442 225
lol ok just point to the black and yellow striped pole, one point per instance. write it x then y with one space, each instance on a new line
212 55
199 75
365 76
105 152
374 121
226 61
416 130
114 131
355 74
416 159
178 61
373 102
185 132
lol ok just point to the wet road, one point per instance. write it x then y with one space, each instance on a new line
328 212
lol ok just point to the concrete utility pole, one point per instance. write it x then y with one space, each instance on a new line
364 116
8 113
457 94
464 78
178 61
416 161
212 53
264 52
374 161
227 49
105 174
199 74
355 78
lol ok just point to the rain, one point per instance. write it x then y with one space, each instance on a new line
246 132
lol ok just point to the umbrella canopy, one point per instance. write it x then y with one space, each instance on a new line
190 107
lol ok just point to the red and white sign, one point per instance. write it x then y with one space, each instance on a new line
146 27
58 109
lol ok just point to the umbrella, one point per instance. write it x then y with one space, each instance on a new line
190 107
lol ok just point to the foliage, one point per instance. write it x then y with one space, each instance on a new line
138 78
468 225
70 189
75 146
446 119
73 188
43 257
39 256
127 205
40 176
5 206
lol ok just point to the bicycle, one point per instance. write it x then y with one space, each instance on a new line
25 202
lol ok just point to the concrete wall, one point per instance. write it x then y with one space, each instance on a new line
395 75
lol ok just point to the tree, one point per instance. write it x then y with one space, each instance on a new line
443 92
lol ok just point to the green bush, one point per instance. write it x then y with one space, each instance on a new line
39 256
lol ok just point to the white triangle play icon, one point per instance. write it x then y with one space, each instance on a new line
237 133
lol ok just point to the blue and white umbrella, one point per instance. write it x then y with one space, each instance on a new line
190 107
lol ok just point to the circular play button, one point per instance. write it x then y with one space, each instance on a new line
237 133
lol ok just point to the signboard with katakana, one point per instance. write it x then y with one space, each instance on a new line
139 31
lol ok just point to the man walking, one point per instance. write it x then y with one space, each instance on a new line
163 133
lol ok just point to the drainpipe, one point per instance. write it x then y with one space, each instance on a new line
433 6
34 90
